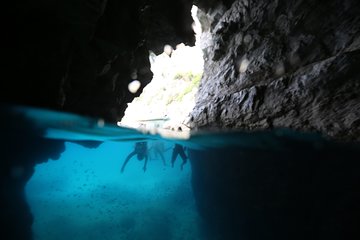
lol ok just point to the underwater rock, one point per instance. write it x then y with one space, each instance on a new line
267 64
295 189
22 146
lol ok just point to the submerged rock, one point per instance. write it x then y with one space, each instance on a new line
277 187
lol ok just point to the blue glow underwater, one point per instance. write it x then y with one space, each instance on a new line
232 182
85 193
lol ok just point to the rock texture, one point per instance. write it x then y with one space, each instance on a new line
267 64
271 64
281 64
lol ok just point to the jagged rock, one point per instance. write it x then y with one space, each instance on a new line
267 64
281 64
271 64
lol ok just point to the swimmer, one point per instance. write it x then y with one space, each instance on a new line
140 151
178 150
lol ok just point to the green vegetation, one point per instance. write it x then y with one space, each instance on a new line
187 76
162 96
173 88
194 80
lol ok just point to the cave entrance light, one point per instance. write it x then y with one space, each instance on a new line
169 98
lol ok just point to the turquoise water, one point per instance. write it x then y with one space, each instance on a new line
270 183
85 193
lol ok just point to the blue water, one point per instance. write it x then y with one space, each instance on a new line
84 195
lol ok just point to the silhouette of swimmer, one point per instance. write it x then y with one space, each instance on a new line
141 152
178 150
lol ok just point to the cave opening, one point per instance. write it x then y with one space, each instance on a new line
269 65
169 98
83 195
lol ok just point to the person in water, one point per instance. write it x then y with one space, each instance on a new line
141 152
178 150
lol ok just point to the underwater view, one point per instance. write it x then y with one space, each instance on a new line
86 194
110 182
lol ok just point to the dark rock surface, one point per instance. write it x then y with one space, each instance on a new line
281 64
80 55
271 64
76 56
267 64
298 190
22 146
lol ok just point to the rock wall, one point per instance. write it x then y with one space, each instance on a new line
80 55
281 64
299 189
22 146
271 64
267 64
77 56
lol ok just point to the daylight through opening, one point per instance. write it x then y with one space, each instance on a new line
169 98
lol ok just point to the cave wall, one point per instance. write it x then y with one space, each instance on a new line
274 64
80 55
267 64
299 190
75 56
22 147
280 64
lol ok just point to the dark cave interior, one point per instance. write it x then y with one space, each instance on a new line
302 73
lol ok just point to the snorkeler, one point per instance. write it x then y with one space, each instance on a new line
140 151
178 150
